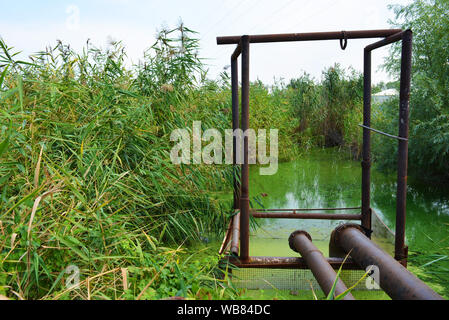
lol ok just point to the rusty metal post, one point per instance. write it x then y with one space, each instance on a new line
395 279
235 125
301 242
404 100
244 197
366 162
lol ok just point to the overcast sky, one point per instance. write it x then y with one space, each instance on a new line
30 26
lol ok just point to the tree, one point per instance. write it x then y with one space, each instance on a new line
429 103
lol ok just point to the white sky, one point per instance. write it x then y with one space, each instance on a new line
29 26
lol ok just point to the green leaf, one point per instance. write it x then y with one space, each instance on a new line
433 261
330 295
2 77
20 88
4 145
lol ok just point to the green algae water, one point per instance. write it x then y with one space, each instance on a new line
325 179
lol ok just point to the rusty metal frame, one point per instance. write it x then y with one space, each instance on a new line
240 221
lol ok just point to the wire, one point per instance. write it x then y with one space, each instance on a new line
223 18
272 15
317 13
220 52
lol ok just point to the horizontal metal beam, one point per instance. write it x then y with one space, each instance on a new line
335 35
306 215
288 263
308 209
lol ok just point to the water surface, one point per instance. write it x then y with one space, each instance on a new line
324 179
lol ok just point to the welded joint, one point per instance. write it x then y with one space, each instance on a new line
293 236
402 257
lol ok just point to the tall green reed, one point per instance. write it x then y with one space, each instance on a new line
86 177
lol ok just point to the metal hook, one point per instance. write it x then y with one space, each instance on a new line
343 40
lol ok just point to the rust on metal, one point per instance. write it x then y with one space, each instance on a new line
240 222
244 200
235 125
287 263
404 100
300 241
305 215
236 52
286 37
310 209
388 40
366 147
395 279
227 236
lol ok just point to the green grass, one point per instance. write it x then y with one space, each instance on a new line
308 295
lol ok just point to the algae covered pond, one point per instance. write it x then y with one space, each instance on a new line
326 178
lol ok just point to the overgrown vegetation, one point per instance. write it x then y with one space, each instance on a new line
429 102
311 113
328 111
86 177
85 171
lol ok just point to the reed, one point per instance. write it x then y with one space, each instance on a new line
86 178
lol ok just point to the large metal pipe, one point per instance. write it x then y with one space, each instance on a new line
310 209
301 242
244 197
394 278
404 99
333 35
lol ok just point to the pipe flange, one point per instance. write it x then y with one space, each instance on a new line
294 234
342 227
